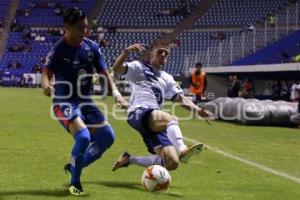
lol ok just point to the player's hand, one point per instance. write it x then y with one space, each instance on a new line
48 90
207 115
122 102
135 47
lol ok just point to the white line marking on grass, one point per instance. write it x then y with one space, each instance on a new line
253 164
196 162
242 160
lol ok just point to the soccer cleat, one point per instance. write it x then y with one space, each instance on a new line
123 161
190 151
67 168
76 189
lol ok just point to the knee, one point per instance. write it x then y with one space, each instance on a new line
173 118
172 164
110 136
105 136
83 136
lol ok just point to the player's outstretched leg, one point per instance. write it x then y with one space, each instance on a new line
126 159
175 136
122 161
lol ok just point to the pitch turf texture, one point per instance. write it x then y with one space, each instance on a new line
34 149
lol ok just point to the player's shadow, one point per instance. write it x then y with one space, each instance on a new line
126 185
46 193
130 185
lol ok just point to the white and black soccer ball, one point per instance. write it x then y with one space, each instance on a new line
156 178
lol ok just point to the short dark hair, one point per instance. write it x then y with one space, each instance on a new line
199 64
72 15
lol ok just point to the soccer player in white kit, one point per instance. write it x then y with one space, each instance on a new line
159 130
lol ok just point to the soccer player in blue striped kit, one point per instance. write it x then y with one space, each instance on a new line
72 62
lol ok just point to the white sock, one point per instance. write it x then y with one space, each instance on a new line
175 135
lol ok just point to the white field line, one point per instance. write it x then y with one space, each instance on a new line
242 160
253 164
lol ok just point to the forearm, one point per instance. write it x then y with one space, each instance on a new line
111 84
45 81
115 92
119 62
187 104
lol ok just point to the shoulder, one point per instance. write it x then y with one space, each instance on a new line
134 64
91 43
165 75
58 45
168 78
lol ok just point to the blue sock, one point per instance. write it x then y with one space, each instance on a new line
103 139
82 142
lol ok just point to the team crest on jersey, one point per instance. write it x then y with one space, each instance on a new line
67 112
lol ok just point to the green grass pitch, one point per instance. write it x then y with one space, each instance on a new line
34 149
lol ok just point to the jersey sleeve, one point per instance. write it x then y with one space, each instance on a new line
131 71
98 60
173 89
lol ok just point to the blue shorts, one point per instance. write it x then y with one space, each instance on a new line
138 119
66 112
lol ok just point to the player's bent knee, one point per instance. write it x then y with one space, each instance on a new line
174 118
171 165
84 137
105 136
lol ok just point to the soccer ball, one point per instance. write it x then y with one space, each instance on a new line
156 178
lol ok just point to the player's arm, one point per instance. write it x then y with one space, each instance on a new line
47 73
45 81
205 84
100 65
119 67
187 104
194 84
115 92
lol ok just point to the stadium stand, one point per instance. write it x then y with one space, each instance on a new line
251 36
144 13
3 10
241 31
281 51
238 13
48 13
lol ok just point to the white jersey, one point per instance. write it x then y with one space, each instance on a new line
149 86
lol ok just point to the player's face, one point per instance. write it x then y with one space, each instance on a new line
78 30
159 57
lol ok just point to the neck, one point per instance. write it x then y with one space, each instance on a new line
71 41
155 67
